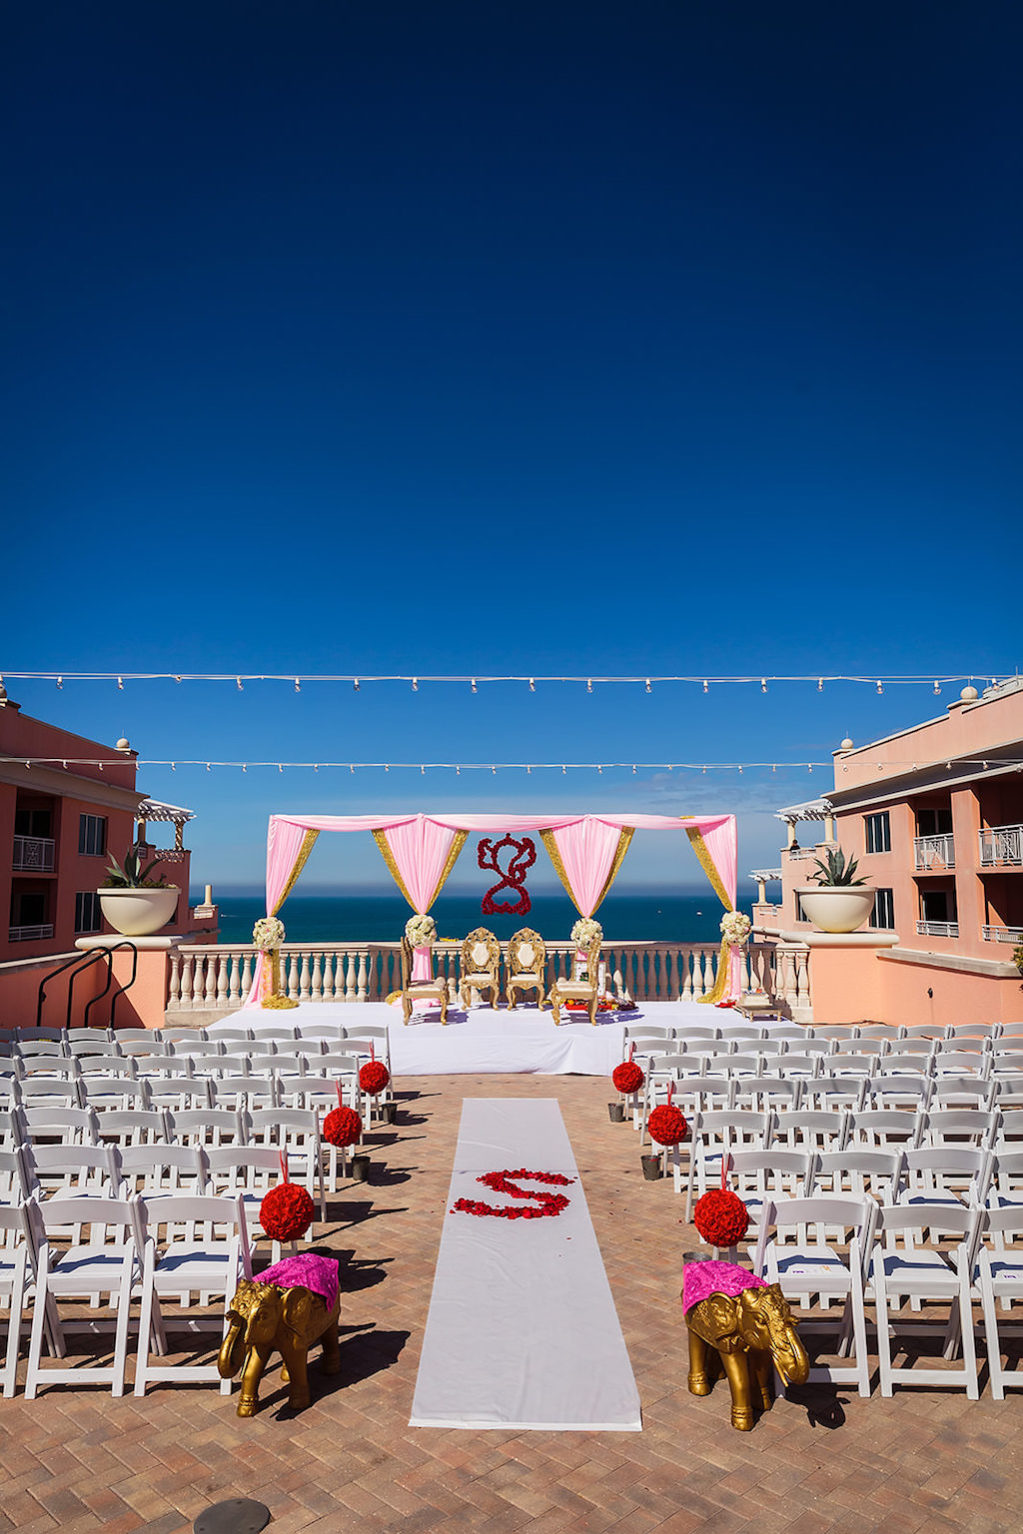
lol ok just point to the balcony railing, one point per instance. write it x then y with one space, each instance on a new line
29 934
937 928
1002 934
1001 846
804 854
33 854
933 853
217 976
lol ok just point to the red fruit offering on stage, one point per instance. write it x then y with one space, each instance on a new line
374 1076
286 1212
667 1125
627 1077
342 1127
721 1217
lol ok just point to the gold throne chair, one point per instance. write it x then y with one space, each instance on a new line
413 991
481 961
527 965
587 990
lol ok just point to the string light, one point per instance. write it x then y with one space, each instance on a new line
880 688
120 684
298 685
415 684
60 684
646 682
68 763
763 684
937 689
238 682
589 684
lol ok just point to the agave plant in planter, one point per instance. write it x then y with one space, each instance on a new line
132 902
837 901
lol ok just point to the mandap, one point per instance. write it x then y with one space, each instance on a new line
586 850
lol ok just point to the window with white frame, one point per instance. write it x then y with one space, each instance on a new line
883 914
92 835
88 915
878 832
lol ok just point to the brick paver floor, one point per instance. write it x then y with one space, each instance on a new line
78 1460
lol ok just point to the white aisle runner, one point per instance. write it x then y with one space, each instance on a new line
522 1330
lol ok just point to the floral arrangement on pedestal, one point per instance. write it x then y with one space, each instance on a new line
735 928
586 931
421 931
268 935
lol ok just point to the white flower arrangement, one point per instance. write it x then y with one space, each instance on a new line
268 933
735 928
585 931
421 930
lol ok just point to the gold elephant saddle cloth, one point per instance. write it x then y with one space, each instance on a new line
319 1274
702 1279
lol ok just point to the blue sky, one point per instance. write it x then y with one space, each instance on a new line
528 339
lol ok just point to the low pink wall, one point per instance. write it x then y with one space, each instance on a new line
19 989
853 985
143 1006
847 985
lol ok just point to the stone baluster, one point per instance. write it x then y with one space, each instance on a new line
362 985
291 985
185 982
174 982
351 986
234 990
316 975
303 978
199 984
223 963
248 961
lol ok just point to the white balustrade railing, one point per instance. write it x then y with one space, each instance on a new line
29 934
1001 844
1002 934
218 976
937 928
33 854
934 852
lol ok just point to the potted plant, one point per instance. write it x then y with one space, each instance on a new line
838 901
132 902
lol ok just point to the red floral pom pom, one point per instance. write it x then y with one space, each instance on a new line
374 1076
342 1127
721 1217
286 1212
627 1077
667 1125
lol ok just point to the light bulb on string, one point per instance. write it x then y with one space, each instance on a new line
422 770
634 769
351 768
648 686
820 684
415 684
589 684
473 684
280 767
177 679
763 684
532 684
120 684
937 690
238 684
705 687
60 684
209 767
245 766
880 688
355 684
564 769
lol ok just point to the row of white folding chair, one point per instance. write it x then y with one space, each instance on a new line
150 1247
901 1267
235 1090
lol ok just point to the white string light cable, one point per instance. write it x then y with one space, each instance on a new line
239 679
422 768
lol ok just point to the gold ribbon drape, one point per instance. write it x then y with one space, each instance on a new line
308 843
380 837
624 840
706 862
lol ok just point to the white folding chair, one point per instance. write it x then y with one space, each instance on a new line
809 1129
971 1091
295 1133
999 1276
207 1126
832 1094
132 1126
858 1172
247 1172
904 1267
104 1265
69 1126
766 1093
119 1092
179 1033
886 1128
960 1126
191 1245
713 1134
15 1285
70 1172
758 1176
899 1092
173 1169
951 1175
793 1250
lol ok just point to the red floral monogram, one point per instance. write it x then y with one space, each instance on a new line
500 1182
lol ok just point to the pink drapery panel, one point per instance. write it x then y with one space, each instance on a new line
283 842
587 850
420 849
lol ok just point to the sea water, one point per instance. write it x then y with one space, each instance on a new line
380 917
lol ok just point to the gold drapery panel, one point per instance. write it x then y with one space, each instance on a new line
380 837
699 846
721 979
308 843
624 842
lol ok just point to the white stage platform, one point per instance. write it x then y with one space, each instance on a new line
486 1041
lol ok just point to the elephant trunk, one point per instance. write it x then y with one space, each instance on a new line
232 1351
790 1359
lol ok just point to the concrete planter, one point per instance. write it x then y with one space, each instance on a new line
837 907
139 912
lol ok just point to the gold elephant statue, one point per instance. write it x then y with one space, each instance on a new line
745 1335
263 1317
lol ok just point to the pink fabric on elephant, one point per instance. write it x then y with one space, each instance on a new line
316 1273
702 1279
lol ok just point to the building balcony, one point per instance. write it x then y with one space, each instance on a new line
33 854
933 854
937 929
29 934
1001 847
1002 934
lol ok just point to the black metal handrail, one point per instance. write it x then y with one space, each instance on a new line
113 948
78 965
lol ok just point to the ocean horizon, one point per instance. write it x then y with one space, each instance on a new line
380 917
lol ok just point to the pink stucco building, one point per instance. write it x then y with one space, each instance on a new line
59 826
934 817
